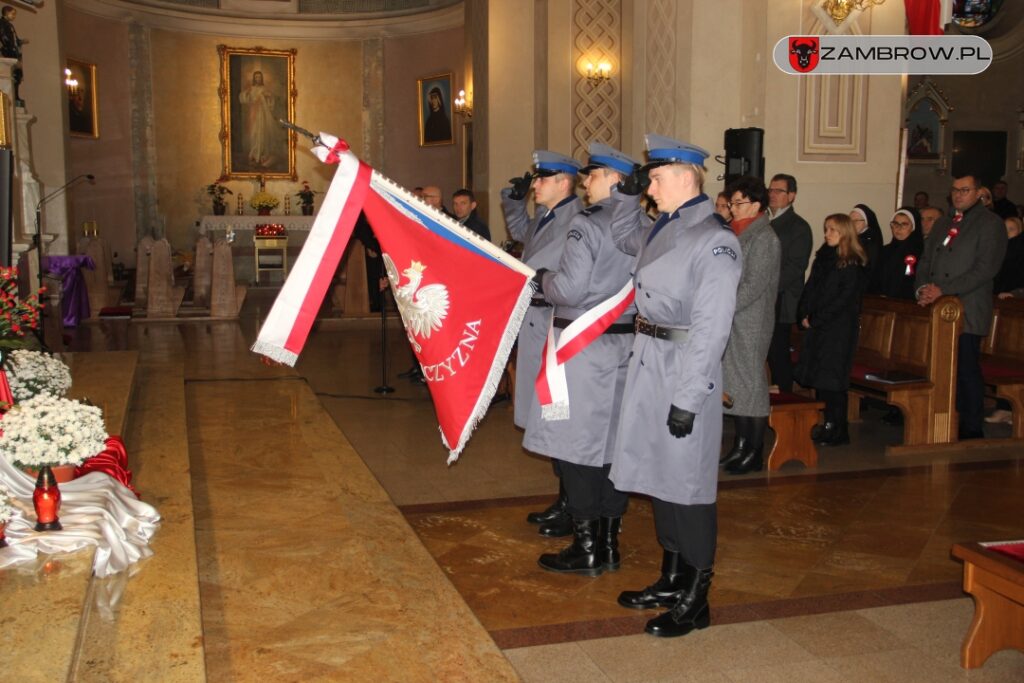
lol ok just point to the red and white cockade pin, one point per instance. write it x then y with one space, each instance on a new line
911 261
953 232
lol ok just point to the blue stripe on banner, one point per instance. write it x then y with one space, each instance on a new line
437 228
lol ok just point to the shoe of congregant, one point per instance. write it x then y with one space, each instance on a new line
1000 417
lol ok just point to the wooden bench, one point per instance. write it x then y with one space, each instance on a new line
1002 362
994 576
899 336
791 418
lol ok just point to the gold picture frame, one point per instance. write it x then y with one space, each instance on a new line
434 98
257 88
80 88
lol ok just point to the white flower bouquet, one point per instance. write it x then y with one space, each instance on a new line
49 430
6 509
33 372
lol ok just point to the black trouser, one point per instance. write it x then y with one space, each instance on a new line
780 360
970 387
690 530
835 405
591 493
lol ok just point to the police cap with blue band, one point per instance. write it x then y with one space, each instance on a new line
546 163
662 150
604 156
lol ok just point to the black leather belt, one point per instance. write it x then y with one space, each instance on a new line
672 334
540 303
614 328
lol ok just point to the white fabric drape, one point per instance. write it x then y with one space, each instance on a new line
96 510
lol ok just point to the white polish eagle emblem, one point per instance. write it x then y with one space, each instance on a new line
422 308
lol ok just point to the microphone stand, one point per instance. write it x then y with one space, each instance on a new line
38 240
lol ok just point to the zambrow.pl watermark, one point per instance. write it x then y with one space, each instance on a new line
935 55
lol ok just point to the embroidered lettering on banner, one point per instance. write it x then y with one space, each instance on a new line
718 251
574 235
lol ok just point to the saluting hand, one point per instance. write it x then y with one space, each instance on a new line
680 422
520 186
635 183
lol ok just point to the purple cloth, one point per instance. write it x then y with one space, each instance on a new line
74 302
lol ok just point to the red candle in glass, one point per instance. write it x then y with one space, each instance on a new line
46 499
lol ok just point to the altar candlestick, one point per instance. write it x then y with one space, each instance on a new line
239 203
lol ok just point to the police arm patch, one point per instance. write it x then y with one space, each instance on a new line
728 251
574 235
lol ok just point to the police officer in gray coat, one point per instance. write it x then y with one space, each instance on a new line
670 431
592 271
553 180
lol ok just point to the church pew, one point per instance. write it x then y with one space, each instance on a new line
1002 361
906 355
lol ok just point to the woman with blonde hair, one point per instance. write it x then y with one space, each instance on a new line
828 312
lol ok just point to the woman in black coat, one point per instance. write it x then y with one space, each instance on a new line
828 312
869 234
897 262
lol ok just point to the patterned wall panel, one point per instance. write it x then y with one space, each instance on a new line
596 109
833 109
660 58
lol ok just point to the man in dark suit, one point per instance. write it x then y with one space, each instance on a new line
796 241
464 208
961 257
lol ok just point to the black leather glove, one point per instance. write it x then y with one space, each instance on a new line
538 280
680 422
520 186
635 183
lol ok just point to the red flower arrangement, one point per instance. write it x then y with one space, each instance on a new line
17 315
270 230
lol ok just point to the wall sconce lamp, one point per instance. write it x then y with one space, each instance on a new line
463 105
70 83
840 10
598 73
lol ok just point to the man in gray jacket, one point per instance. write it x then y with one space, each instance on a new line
961 257
796 240
553 181
687 271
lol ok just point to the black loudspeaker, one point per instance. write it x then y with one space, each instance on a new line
744 150
6 206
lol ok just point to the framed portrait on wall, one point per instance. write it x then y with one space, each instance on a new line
257 88
435 107
80 86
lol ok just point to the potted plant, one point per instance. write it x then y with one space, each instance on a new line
6 513
217 191
263 202
47 430
305 196
17 315
33 372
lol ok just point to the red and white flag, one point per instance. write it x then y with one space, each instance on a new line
461 299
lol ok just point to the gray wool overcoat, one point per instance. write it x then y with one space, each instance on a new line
541 249
592 269
686 276
753 322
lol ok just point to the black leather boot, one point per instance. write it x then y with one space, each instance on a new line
662 593
553 511
739 423
821 434
557 528
692 610
608 547
839 436
581 557
752 457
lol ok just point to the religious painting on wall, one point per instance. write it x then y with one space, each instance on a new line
257 89
80 86
435 107
927 116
